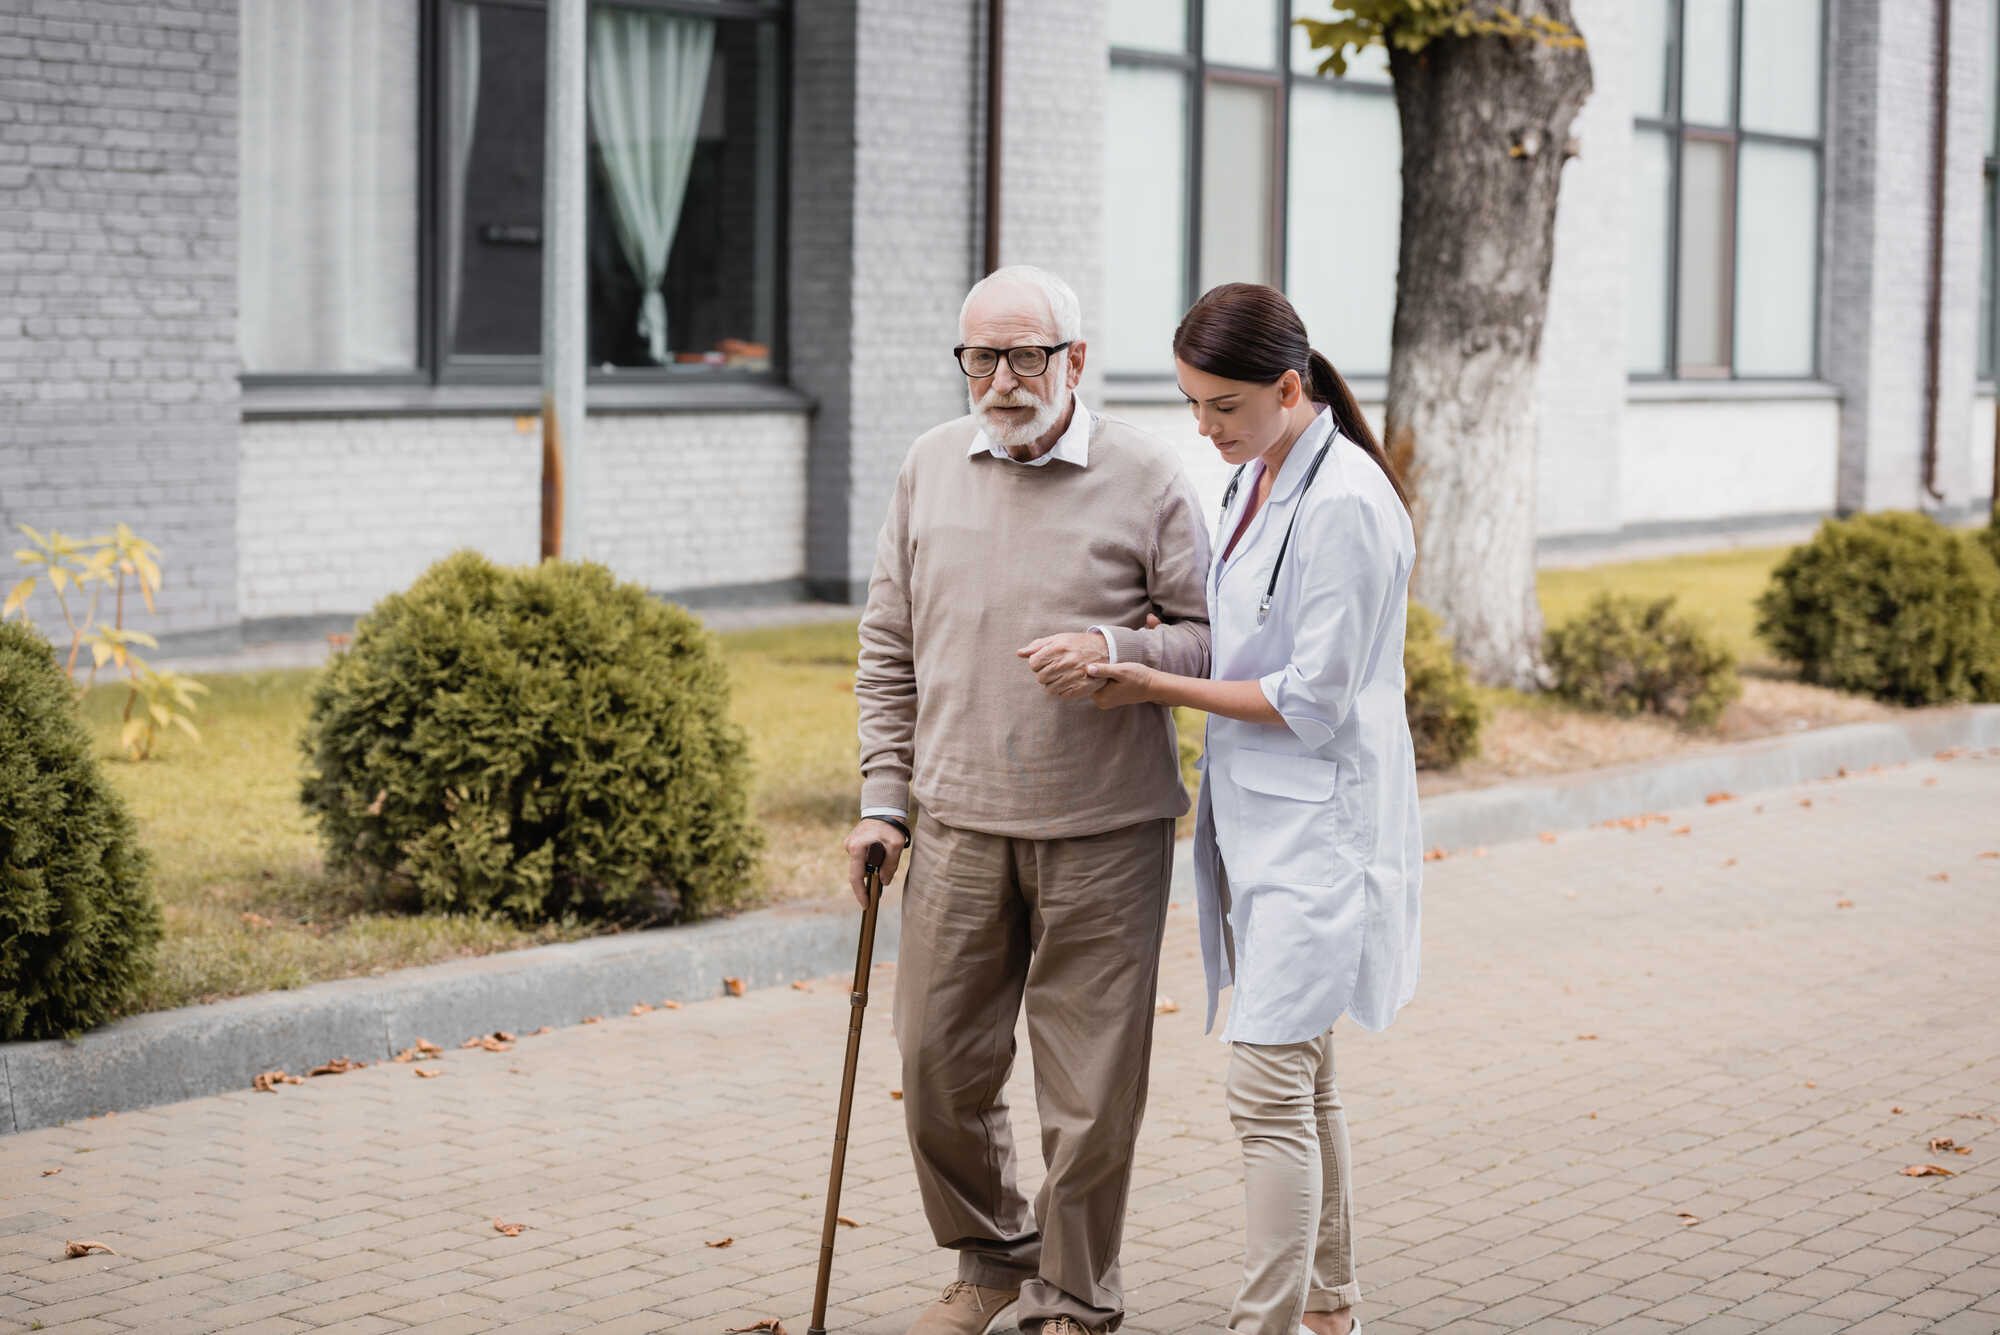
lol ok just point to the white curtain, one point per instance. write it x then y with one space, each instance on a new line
461 114
327 267
648 80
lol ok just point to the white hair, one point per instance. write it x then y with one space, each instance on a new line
1064 308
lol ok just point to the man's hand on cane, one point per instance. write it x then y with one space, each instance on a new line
872 831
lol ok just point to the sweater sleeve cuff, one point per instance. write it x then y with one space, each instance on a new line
1132 646
1110 642
885 792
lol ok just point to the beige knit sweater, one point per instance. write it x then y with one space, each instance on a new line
979 556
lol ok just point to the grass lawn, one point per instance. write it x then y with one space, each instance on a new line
249 907
1720 586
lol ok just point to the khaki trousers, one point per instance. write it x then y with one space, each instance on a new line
1298 1253
1072 927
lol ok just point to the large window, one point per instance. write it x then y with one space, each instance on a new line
392 188
1229 159
1727 170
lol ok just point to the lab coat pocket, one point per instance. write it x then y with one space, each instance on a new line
1285 820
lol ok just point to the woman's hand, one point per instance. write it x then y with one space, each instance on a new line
1124 684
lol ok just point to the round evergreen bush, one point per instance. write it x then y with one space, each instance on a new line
78 921
1628 655
1438 696
1892 605
542 742
1989 537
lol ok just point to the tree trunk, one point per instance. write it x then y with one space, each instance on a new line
1486 124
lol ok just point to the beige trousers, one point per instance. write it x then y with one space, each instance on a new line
1072 928
1298 1253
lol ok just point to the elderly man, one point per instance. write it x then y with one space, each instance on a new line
1026 541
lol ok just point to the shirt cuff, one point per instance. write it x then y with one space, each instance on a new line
897 812
1110 642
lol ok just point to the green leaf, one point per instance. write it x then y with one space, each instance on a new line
18 597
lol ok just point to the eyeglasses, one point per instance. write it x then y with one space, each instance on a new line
1027 361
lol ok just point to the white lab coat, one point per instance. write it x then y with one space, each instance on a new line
1308 856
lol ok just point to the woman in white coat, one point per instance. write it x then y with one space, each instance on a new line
1307 851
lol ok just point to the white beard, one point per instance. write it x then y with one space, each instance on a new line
1012 435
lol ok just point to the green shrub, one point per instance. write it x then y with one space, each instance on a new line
1989 537
1628 655
541 742
1892 605
1438 695
78 920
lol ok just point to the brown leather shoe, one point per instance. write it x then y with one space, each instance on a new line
1069 1325
965 1309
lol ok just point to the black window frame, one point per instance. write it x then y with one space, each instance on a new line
455 381
1199 73
1677 131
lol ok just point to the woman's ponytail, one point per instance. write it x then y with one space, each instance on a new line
1325 386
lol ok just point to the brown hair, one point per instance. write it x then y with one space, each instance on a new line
1247 331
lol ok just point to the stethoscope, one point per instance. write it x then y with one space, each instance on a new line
1229 495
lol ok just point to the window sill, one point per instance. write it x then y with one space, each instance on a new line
262 402
1150 391
1726 391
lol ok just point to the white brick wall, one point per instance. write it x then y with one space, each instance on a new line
1706 462
334 513
1581 392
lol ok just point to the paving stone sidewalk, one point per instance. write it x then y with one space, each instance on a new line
1664 1079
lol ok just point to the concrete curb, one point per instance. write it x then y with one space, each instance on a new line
200 1050
173 1055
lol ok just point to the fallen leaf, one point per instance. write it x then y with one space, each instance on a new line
1714 799
670 1005
1479 852
770 1323
1951 754
1167 1006
641 1008
1805 801
1975 1117
733 986
1729 862
1941 876
511 1230
338 1066
1941 1144
593 1019
1687 1220
503 1036
406 1055
1547 836
1993 855
50 1172
1586 1037
1843 903
1930 783
76 1249
725 1242
423 1074
268 1082
1436 855
1897 1111
800 985
1811 1084
1927 1170
851 1223
1684 829
428 1048
539 1032
488 1043
895 1093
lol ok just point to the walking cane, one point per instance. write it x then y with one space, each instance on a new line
871 884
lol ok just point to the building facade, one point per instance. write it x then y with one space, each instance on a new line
270 269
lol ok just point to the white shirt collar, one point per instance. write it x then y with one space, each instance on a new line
1074 447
